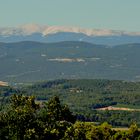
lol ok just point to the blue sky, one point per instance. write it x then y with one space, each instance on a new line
100 14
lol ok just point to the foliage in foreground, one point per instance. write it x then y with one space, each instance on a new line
25 120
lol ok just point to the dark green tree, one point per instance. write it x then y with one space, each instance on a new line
20 117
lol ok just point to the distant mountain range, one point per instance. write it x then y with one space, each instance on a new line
35 61
34 32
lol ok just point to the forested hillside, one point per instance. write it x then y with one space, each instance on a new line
35 61
85 97
24 119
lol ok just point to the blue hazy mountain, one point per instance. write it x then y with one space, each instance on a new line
67 36
107 40
33 32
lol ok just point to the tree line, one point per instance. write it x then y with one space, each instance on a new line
26 119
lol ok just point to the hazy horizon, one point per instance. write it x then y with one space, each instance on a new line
95 14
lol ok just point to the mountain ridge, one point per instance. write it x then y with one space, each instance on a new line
49 34
63 42
45 30
31 61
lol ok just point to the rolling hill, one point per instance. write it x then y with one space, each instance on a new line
113 101
35 61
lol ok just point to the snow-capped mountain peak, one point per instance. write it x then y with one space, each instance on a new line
45 30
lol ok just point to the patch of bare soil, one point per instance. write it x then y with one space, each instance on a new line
3 83
117 108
